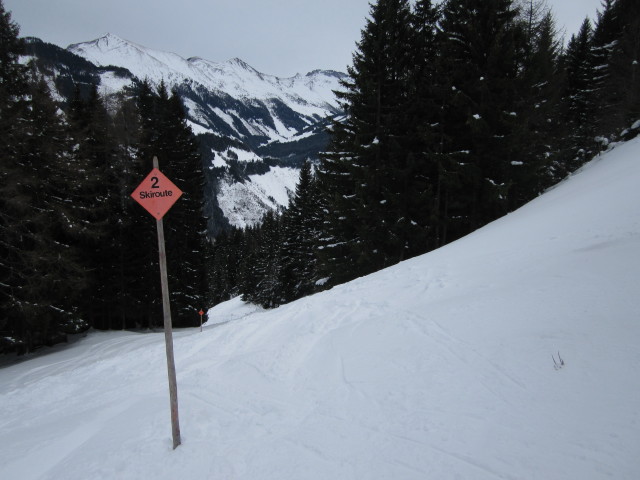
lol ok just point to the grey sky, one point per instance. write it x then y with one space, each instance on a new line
277 37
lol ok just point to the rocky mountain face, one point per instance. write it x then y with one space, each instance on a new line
255 130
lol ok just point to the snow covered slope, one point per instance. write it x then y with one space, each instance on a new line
441 367
244 204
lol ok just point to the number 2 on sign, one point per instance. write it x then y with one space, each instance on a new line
155 181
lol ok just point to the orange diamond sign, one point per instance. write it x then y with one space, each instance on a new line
156 193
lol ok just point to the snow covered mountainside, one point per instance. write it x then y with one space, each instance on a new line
512 353
249 124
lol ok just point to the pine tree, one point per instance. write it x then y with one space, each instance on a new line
248 277
579 116
45 279
423 175
219 270
365 170
136 284
13 108
604 39
626 64
540 98
263 273
42 278
96 197
299 237
165 134
616 53
481 45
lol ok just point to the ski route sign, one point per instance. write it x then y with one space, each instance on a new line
156 193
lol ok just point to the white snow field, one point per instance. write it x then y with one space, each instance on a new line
438 368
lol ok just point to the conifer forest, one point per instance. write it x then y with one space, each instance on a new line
455 114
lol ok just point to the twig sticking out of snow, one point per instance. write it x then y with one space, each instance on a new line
557 365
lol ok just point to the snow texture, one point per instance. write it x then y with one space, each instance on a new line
440 367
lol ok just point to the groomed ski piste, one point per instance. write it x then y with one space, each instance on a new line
513 353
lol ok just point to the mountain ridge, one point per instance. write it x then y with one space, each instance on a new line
229 77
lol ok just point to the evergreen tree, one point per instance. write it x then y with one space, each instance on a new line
42 279
626 64
299 237
165 134
95 194
365 171
424 177
481 46
264 271
579 106
604 41
219 269
616 47
540 99
134 249
13 107
248 278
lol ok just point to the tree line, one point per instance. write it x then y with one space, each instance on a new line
455 114
75 250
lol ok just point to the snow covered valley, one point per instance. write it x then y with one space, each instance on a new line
512 353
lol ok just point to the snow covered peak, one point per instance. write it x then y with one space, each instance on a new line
235 61
234 77
109 45
101 42
310 95
142 62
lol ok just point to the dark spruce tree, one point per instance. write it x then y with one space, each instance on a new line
625 65
248 275
96 199
262 272
146 306
134 276
540 102
45 278
424 177
42 278
365 172
615 86
225 264
299 238
480 52
604 44
165 134
13 108
579 106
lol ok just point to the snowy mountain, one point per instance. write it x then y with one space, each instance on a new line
249 123
512 353
291 105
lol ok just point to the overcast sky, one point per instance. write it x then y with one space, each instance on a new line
277 37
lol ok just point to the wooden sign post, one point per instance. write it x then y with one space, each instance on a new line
157 194
201 312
